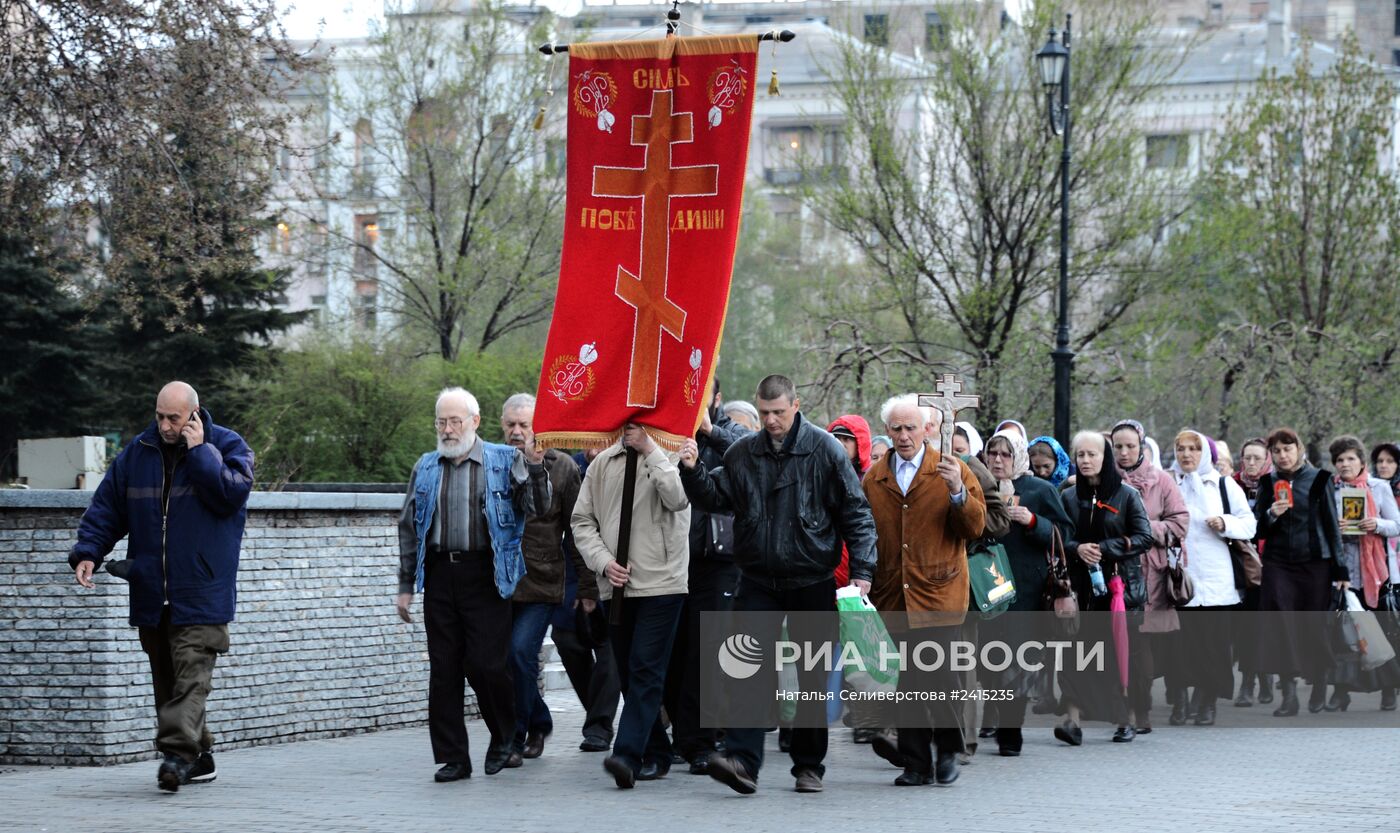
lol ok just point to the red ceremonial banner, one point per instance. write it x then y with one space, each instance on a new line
658 143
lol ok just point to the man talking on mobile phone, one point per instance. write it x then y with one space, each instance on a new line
179 494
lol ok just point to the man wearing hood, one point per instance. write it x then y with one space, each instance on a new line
854 433
178 493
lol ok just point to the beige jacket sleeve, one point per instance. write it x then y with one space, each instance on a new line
666 479
586 526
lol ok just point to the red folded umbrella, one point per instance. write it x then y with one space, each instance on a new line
1119 612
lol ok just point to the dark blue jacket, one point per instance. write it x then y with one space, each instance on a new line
188 554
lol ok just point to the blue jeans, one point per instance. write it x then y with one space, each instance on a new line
531 620
642 649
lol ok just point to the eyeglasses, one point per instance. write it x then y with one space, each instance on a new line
1003 454
453 422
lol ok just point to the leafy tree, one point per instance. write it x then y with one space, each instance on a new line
192 301
444 144
957 221
1293 246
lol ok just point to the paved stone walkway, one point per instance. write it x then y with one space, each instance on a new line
1204 780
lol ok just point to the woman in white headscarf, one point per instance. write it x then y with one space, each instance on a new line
1219 512
966 441
1036 513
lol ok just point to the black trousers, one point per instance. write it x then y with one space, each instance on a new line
593 674
808 744
712 584
1293 646
937 722
641 647
469 628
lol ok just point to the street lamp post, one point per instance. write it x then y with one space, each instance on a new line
1053 62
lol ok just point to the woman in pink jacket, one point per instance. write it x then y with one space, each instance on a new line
1166 512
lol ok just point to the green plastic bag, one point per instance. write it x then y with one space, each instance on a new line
863 634
993 589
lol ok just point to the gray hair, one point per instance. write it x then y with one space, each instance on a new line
518 401
740 406
1084 437
454 392
910 399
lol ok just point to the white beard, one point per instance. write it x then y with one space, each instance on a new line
452 449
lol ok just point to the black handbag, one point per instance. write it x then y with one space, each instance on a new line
591 628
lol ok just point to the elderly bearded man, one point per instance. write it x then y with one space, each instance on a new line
460 543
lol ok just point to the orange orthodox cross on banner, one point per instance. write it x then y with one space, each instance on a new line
656 182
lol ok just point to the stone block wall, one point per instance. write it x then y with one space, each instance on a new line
316 649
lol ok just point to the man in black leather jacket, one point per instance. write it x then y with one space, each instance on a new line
795 498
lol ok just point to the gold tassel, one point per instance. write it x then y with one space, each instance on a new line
773 84
539 119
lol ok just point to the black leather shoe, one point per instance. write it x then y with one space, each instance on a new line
732 774
1069 733
595 744
1266 689
534 745
700 764
1317 698
1388 699
621 772
986 732
1178 700
651 771
174 771
1125 734
452 772
1289 706
914 778
1144 730
1245 699
1339 701
945 770
1205 716
498 760
886 745
1009 742
863 735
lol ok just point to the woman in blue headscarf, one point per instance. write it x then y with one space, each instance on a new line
1049 461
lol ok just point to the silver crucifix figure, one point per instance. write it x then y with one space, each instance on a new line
948 401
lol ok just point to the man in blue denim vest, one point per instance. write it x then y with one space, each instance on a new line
459 543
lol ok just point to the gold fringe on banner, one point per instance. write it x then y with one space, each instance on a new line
603 439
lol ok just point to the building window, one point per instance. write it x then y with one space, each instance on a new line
803 150
366 239
877 29
1167 152
1395 53
367 305
1397 18
935 32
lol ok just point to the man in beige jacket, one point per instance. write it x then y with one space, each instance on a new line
654 581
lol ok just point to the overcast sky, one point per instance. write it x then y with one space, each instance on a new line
350 18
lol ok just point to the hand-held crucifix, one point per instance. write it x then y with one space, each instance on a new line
948 401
